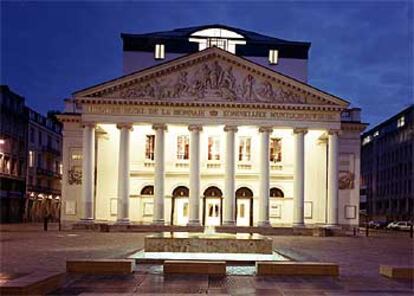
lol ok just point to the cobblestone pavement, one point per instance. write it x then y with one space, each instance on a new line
26 248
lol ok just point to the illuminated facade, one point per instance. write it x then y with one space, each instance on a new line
212 126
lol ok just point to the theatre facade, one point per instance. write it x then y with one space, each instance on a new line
208 136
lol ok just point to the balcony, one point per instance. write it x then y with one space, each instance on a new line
43 189
51 150
48 173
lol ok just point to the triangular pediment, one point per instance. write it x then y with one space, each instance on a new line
211 76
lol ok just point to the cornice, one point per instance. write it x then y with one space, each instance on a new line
69 117
132 102
353 126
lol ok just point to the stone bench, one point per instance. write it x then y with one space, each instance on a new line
195 267
397 272
297 268
37 283
101 266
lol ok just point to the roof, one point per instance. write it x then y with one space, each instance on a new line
176 41
390 121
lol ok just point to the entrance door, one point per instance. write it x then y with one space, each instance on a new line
244 202
181 206
243 212
212 211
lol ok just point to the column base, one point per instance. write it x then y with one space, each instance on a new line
331 226
122 221
264 224
229 223
158 222
194 223
298 225
87 221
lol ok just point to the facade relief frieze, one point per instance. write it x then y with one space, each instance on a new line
214 81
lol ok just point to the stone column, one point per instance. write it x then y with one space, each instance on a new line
299 177
264 176
123 173
332 218
229 175
194 200
88 171
158 217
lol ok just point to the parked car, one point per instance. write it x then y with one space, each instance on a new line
391 225
377 224
400 225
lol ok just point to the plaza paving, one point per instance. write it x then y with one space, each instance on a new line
26 248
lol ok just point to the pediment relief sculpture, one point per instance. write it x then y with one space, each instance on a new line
214 81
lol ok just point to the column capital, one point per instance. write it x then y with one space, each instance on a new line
334 132
231 128
124 125
157 126
265 129
300 130
195 127
89 124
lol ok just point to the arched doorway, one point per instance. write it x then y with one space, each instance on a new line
244 207
212 205
147 203
179 206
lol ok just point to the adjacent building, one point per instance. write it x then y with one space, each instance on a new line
211 125
387 168
13 156
30 161
44 169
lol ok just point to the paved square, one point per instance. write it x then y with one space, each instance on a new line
26 248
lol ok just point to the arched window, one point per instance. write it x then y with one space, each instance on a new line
276 192
213 192
181 191
244 192
218 37
147 190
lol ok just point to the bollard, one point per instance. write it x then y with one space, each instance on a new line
355 231
411 230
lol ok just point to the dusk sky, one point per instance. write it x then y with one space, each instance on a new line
361 51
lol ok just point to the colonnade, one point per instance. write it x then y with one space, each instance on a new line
88 165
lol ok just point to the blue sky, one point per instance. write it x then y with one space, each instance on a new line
361 51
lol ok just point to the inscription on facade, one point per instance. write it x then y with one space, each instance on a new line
208 113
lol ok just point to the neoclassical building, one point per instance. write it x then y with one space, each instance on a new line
211 125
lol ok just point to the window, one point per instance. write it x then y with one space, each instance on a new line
244 148
147 190
76 156
159 51
31 158
40 138
213 210
183 145
275 150
39 160
401 121
185 209
218 37
150 147
213 148
276 192
273 56
32 135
